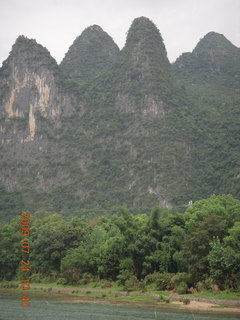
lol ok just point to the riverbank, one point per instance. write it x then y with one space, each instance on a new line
162 300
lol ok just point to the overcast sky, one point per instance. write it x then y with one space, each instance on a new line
56 23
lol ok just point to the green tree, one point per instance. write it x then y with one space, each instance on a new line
196 246
10 253
52 237
217 262
110 255
76 262
232 249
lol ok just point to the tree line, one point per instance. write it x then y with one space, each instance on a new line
198 248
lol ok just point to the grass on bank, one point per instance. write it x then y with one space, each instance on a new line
217 295
150 289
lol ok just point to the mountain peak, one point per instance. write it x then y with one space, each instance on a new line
22 39
92 52
141 28
141 71
28 53
25 42
93 28
144 39
213 57
30 83
146 56
214 41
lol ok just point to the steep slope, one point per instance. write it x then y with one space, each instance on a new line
92 52
140 157
146 63
141 70
137 133
30 83
119 147
214 59
33 99
211 76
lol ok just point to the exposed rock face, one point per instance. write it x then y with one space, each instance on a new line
90 54
109 128
30 84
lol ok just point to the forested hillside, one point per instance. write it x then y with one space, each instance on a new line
110 127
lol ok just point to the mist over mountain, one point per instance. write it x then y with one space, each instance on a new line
110 127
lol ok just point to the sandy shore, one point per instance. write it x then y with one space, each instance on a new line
198 306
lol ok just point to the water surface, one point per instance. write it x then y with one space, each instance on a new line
42 309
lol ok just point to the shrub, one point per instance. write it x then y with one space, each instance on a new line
142 285
62 281
181 277
107 285
192 290
131 284
36 277
152 277
204 285
164 281
182 288
186 301
86 278
215 288
124 276
232 282
45 279
8 285
200 286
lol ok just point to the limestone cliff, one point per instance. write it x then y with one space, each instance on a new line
110 128
30 85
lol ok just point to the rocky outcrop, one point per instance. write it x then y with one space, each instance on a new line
30 85
108 128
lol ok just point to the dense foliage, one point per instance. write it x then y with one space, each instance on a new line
199 248
89 55
138 133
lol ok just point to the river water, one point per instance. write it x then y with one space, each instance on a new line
42 309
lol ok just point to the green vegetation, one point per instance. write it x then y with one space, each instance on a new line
136 133
90 54
162 251
226 294
210 75
186 301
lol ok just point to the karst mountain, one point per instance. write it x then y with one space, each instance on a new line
109 127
